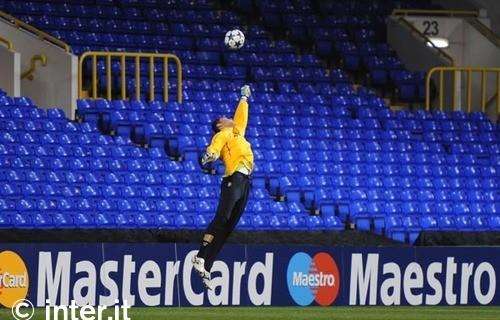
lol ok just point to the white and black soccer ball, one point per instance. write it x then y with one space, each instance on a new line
235 39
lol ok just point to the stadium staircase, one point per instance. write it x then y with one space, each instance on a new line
331 155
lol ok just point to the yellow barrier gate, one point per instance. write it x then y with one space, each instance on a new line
124 57
468 71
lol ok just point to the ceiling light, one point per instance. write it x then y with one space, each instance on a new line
438 42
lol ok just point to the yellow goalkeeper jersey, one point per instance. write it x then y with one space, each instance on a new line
230 144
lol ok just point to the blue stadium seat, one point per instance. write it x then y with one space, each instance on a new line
319 144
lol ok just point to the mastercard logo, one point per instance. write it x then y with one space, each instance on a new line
313 279
14 280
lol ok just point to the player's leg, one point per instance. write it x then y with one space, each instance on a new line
238 209
216 229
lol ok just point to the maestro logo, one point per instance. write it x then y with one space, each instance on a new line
14 280
313 279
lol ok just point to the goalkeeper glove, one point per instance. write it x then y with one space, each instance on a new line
206 158
246 92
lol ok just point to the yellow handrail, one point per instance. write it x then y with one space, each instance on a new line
427 40
424 12
8 43
469 71
29 73
484 30
39 33
136 56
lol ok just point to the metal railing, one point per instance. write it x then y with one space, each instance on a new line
444 13
427 40
39 33
484 30
125 57
7 43
469 71
28 74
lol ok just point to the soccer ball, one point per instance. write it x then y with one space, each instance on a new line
234 39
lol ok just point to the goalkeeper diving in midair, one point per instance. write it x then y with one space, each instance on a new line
235 151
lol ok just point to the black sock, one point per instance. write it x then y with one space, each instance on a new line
204 248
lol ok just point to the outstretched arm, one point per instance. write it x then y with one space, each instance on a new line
240 117
213 150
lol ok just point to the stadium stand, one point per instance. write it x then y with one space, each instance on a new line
349 33
61 174
331 154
